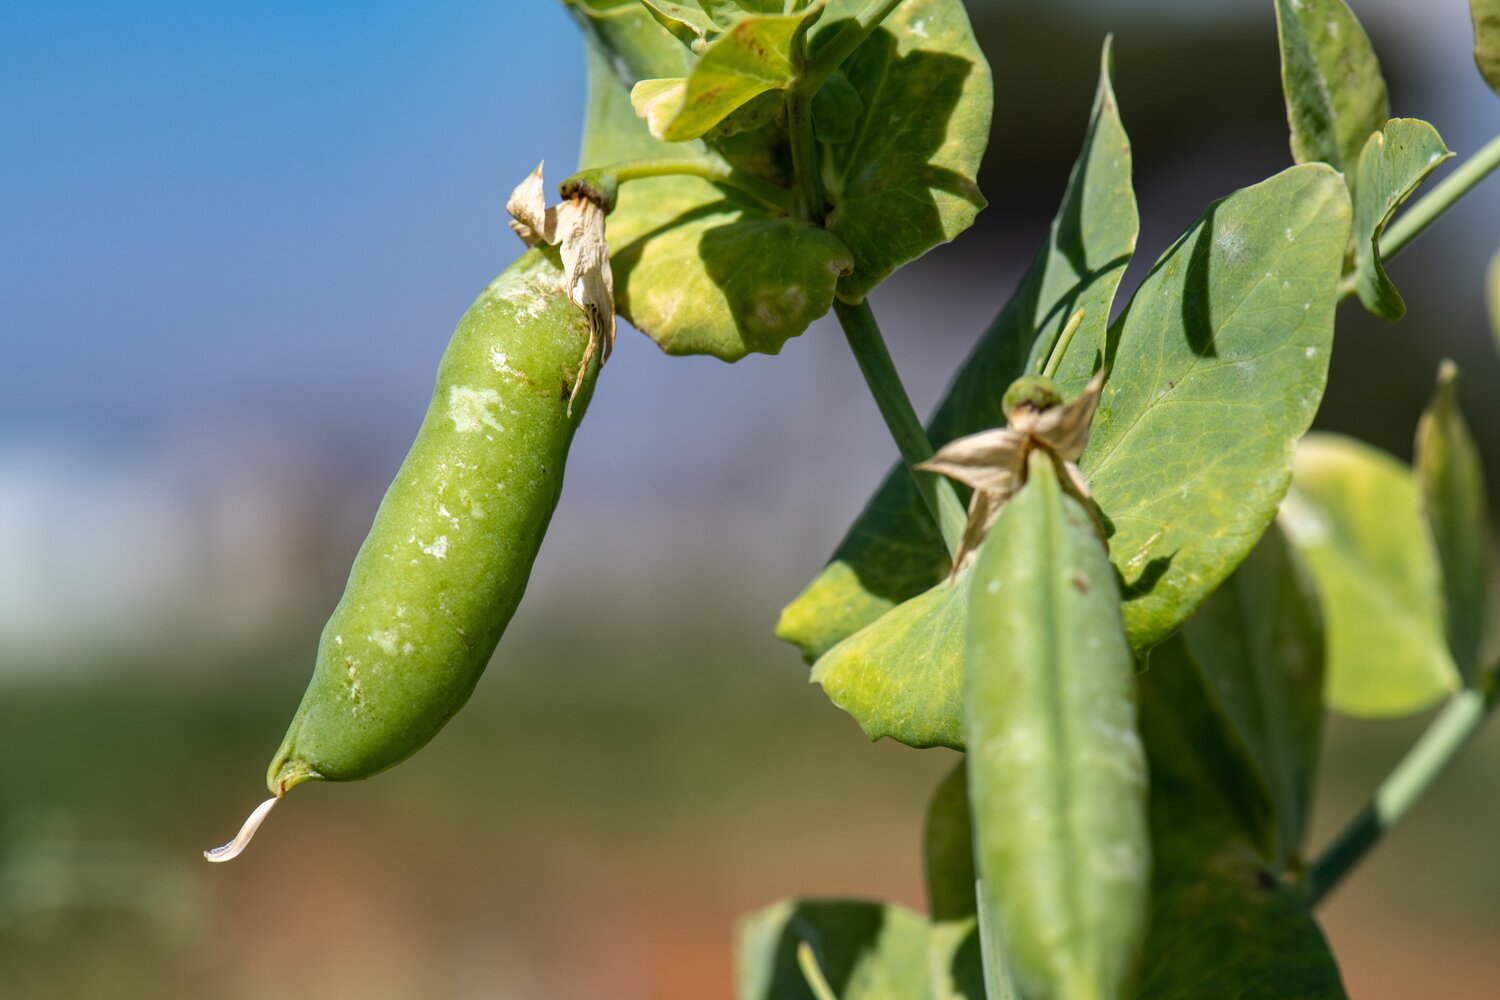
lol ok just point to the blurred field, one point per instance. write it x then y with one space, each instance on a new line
235 239
590 826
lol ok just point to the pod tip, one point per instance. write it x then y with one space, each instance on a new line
236 847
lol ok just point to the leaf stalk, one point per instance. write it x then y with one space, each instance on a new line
601 182
863 334
1454 726
832 55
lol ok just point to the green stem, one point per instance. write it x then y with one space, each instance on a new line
1427 209
806 164
813 973
895 406
832 55
602 181
1459 720
1061 347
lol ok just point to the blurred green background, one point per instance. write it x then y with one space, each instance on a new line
235 238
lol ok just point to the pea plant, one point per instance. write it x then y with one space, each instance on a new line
1128 584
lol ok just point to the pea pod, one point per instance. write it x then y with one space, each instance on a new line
1057 777
447 559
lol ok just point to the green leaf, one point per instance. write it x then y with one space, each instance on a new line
1223 352
1451 479
1335 95
836 109
725 12
866 950
957 970
1394 162
689 25
698 269
1353 513
1486 16
949 848
906 181
893 551
1258 647
948 841
1222 925
636 45
753 56
902 675
1056 773
1221 362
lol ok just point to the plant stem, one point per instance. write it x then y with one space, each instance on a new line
813 973
1426 210
832 55
1061 347
806 164
895 406
710 168
1459 720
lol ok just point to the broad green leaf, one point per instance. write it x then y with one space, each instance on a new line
948 843
1353 513
699 270
906 181
1335 95
1394 162
1258 647
1222 924
893 551
1486 16
902 675
1451 479
1222 353
1057 778
836 109
753 56
637 46
866 950
956 964
1221 362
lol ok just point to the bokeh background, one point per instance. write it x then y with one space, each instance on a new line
233 241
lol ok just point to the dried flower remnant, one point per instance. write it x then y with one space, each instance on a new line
576 228
993 462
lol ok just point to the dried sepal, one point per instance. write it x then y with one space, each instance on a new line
576 228
994 462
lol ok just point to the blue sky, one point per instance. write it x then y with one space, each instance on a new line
204 200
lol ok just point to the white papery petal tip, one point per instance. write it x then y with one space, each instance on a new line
236 847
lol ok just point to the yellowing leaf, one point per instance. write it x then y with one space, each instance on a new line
753 56
1353 514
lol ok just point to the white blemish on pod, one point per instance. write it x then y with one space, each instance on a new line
236 847
471 409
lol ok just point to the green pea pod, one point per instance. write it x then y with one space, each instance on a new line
1057 776
447 559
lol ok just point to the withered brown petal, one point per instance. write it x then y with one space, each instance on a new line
1066 428
990 460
